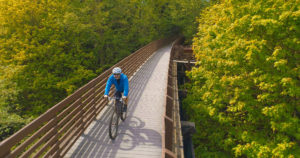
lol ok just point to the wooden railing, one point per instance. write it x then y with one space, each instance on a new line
53 133
172 139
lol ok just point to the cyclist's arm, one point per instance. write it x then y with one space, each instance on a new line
126 87
108 85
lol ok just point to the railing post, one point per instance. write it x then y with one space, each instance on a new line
55 119
81 114
94 101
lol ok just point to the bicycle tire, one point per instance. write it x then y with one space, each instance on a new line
113 125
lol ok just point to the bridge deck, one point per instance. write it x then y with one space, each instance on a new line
141 133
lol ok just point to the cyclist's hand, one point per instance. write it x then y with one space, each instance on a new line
106 97
125 99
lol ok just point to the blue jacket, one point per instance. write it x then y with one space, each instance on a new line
122 87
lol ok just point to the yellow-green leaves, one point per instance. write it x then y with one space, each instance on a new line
247 78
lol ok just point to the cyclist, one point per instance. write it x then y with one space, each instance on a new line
121 83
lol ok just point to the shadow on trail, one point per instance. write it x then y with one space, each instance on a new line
96 142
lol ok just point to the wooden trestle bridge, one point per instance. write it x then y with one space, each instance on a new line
77 126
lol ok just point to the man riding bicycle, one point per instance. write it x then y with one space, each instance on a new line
121 83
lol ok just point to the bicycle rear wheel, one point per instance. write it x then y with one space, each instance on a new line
113 125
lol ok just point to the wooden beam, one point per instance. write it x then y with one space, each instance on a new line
185 61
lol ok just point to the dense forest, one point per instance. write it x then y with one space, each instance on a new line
243 93
50 48
245 88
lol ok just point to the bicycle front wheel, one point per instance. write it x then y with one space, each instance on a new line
113 125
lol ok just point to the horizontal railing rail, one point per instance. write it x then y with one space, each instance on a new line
54 132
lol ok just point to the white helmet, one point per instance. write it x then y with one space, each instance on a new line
116 70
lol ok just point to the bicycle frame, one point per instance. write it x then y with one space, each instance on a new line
113 101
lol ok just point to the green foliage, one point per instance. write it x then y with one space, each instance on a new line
50 48
10 123
244 95
184 13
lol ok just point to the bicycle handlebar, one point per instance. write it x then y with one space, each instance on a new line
111 98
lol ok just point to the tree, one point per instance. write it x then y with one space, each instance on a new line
184 13
48 45
51 48
245 91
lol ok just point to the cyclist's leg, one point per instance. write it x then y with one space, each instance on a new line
118 95
124 110
125 105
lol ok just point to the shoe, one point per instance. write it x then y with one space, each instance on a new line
124 108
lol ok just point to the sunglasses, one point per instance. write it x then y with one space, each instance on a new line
116 74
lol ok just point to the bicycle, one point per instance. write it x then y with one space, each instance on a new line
117 113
